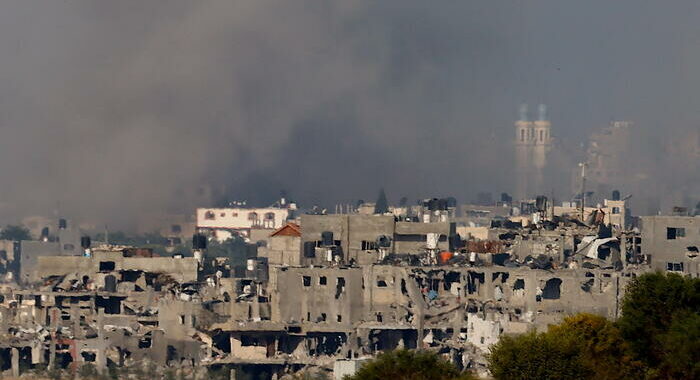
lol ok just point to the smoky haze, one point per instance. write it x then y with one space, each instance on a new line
112 109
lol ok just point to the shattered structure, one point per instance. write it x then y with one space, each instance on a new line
330 291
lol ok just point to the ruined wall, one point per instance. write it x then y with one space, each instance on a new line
411 237
319 295
180 269
30 253
530 296
350 230
368 228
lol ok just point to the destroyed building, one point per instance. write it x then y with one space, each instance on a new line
334 289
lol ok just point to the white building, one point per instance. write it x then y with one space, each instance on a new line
223 223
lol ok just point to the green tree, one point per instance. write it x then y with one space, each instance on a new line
602 350
382 205
536 356
409 365
681 347
651 302
15 232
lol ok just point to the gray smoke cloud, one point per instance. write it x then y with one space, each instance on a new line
112 109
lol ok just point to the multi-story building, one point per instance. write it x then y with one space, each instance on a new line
223 223
671 243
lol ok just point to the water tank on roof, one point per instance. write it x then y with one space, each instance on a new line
62 224
327 238
85 242
309 249
110 283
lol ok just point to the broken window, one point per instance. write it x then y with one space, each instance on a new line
587 285
322 280
106 266
182 319
253 216
381 282
615 210
306 280
674 267
145 342
323 317
209 215
339 318
88 356
339 286
504 276
519 284
673 233
369 245
552 289
111 305
474 280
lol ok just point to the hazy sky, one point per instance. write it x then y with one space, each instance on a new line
108 107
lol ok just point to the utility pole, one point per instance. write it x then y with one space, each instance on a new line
583 190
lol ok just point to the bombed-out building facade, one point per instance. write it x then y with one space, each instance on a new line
324 292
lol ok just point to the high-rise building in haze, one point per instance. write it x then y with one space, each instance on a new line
533 141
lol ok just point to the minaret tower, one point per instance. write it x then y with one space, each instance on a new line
523 134
541 146
533 143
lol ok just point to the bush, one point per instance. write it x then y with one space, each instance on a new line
409 365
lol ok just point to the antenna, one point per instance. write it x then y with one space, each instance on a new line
583 165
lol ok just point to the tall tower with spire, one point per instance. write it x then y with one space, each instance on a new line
532 143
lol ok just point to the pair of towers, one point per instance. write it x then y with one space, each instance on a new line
533 142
